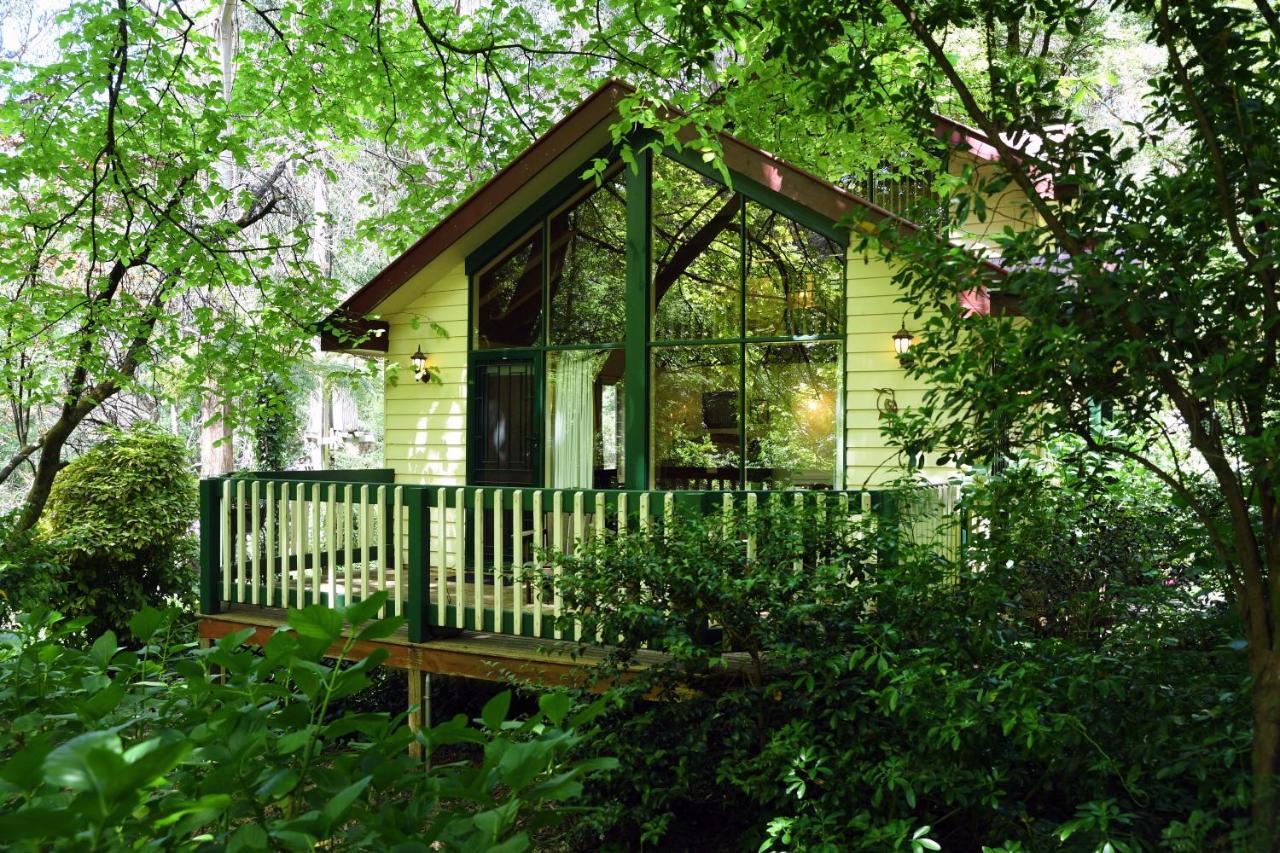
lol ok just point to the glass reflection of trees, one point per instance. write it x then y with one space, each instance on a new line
734 283
746 320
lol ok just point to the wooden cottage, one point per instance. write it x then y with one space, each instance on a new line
611 347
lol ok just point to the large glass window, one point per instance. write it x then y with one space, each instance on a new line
697 436
743 349
588 267
791 415
697 256
793 278
508 297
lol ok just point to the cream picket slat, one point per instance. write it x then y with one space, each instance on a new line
557 549
498 543
314 534
517 560
752 502
668 513
299 551
273 535
397 536
285 525
255 529
646 523
348 541
537 563
383 541
224 546
460 557
579 542
726 512
798 563
331 544
365 543
599 535
241 520
622 513
442 558
477 560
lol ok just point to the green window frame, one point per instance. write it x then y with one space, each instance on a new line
638 343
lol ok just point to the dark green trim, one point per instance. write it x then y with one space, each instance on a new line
210 537
696 342
638 308
418 566
743 262
761 194
341 475
531 217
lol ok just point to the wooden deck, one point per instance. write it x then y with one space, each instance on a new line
469 654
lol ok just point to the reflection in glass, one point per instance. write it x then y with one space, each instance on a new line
585 408
509 298
588 267
697 256
791 415
793 277
696 438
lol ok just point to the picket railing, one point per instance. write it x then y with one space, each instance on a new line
448 558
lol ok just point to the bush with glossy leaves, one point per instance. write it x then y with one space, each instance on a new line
238 748
822 697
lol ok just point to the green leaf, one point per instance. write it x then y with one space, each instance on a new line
337 806
104 649
555 706
495 710
145 623
317 622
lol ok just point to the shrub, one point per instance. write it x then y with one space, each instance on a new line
819 697
168 747
122 516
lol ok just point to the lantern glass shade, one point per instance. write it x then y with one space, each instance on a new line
902 340
419 360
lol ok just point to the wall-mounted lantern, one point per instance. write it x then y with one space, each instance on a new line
902 340
419 361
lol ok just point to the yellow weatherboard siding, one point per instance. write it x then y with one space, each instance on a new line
426 423
874 314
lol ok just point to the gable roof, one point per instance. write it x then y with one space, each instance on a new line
788 181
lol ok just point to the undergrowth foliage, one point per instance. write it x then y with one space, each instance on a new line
233 747
826 697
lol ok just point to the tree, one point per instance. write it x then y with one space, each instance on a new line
156 221
1151 293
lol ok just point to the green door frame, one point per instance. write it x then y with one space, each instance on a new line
535 357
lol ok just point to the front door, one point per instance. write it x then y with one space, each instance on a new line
504 404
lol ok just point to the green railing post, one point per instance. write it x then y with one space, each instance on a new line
889 525
418 575
210 497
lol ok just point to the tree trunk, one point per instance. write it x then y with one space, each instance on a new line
1266 751
217 455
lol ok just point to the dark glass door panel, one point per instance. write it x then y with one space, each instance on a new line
506 428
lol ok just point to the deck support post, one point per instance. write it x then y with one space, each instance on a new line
419 709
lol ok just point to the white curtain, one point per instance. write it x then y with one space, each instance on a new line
573 427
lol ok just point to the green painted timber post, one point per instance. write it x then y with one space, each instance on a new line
418 575
636 343
210 497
